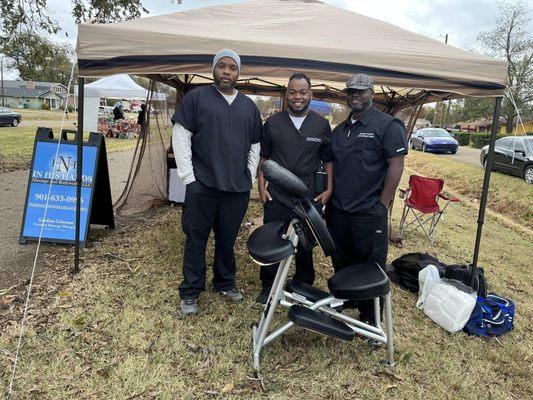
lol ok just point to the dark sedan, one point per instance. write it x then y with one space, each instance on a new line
435 140
8 117
512 155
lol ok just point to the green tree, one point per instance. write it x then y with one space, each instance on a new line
38 59
34 16
511 41
474 108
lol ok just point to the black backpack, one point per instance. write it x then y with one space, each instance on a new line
405 269
463 273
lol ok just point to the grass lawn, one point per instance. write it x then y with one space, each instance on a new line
113 331
43 115
509 195
16 146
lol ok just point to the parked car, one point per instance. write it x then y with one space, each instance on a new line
9 117
105 111
435 140
512 155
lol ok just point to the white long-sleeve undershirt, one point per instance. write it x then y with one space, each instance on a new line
182 143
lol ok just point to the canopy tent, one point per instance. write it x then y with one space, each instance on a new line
120 86
276 38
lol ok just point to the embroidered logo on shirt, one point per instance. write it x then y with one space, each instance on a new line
369 135
313 139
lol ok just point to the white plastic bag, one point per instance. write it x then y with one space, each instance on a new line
448 306
443 302
427 278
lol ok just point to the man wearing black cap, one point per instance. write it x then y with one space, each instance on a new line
298 139
216 144
368 157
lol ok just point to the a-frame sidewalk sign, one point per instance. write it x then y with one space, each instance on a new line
52 186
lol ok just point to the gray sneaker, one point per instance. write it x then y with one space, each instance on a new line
189 306
233 295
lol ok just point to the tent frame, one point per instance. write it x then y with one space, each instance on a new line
183 87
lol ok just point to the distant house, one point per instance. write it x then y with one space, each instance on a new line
422 123
526 128
32 95
480 125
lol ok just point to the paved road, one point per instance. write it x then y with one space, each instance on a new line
17 260
465 154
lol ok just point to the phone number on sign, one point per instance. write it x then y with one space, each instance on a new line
56 197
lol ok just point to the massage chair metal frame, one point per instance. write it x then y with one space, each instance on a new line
310 307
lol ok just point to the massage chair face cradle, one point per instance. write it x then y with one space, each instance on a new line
309 307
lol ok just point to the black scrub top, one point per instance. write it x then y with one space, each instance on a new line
222 135
300 151
360 154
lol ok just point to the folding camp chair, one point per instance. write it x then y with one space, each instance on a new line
421 201
309 307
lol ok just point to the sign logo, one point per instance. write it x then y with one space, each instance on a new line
63 164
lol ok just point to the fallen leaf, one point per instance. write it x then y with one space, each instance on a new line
7 299
104 373
227 388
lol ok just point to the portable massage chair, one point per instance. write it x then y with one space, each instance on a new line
309 307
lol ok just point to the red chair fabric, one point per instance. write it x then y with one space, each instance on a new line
421 202
423 193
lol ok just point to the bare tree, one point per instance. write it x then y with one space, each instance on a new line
511 41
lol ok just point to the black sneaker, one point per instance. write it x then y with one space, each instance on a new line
263 296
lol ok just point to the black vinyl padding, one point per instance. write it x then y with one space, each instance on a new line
321 323
284 179
318 226
310 292
266 244
359 282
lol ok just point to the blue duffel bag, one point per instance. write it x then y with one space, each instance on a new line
492 316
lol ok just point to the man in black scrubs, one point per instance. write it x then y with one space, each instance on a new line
368 158
298 139
216 144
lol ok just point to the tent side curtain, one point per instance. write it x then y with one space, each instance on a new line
119 86
262 33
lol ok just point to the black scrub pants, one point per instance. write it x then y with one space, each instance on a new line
204 209
359 237
277 211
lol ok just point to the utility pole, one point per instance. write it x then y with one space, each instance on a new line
2 78
443 118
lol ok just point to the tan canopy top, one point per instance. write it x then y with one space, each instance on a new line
276 38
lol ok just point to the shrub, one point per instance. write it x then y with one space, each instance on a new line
45 106
462 137
69 108
478 140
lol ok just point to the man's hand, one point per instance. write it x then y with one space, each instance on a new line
264 195
324 196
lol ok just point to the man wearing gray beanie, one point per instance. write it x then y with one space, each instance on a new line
216 145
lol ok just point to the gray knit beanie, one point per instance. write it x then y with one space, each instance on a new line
227 53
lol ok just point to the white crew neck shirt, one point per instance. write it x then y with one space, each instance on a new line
297 121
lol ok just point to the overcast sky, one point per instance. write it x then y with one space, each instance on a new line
462 20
